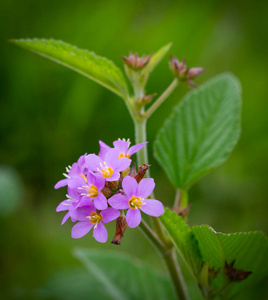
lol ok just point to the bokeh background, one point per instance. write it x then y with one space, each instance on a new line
50 115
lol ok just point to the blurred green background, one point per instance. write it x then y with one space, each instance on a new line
49 116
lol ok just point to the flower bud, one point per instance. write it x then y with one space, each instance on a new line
121 226
146 99
106 191
182 72
135 62
141 172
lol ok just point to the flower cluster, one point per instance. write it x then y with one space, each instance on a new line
101 187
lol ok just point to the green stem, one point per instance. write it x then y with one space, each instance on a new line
159 240
161 99
169 258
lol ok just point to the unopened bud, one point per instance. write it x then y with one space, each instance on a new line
135 62
106 191
112 184
121 226
178 68
182 72
141 172
132 171
146 99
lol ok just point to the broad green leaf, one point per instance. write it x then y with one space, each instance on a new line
184 240
155 59
71 284
124 277
248 251
87 63
201 132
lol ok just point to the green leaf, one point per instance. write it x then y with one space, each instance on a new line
201 132
87 63
124 277
247 250
183 238
155 59
186 244
70 284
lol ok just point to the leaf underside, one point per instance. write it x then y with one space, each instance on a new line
87 63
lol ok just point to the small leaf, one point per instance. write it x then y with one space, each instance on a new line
201 132
155 59
87 63
124 277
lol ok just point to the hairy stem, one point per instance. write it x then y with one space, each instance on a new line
169 258
159 239
161 99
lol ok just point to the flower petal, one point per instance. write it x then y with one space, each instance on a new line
111 157
110 214
93 162
133 217
81 213
100 202
65 218
121 164
80 229
61 183
100 233
130 186
122 146
64 205
145 187
119 201
152 207
103 149
135 148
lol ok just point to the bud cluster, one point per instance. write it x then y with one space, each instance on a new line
101 187
182 72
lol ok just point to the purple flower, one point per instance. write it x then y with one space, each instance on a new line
109 167
69 204
76 170
88 217
89 188
122 146
136 200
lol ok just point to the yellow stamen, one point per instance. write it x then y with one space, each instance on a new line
84 177
107 172
92 191
135 202
95 218
123 155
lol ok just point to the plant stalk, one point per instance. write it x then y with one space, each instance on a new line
169 258
161 98
159 239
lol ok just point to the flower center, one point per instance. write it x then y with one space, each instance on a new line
123 155
92 191
135 202
95 218
107 172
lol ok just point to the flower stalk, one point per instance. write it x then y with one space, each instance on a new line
159 238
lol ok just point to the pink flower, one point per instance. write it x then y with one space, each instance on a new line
89 187
109 167
122 146
77 169
136 200
89 218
